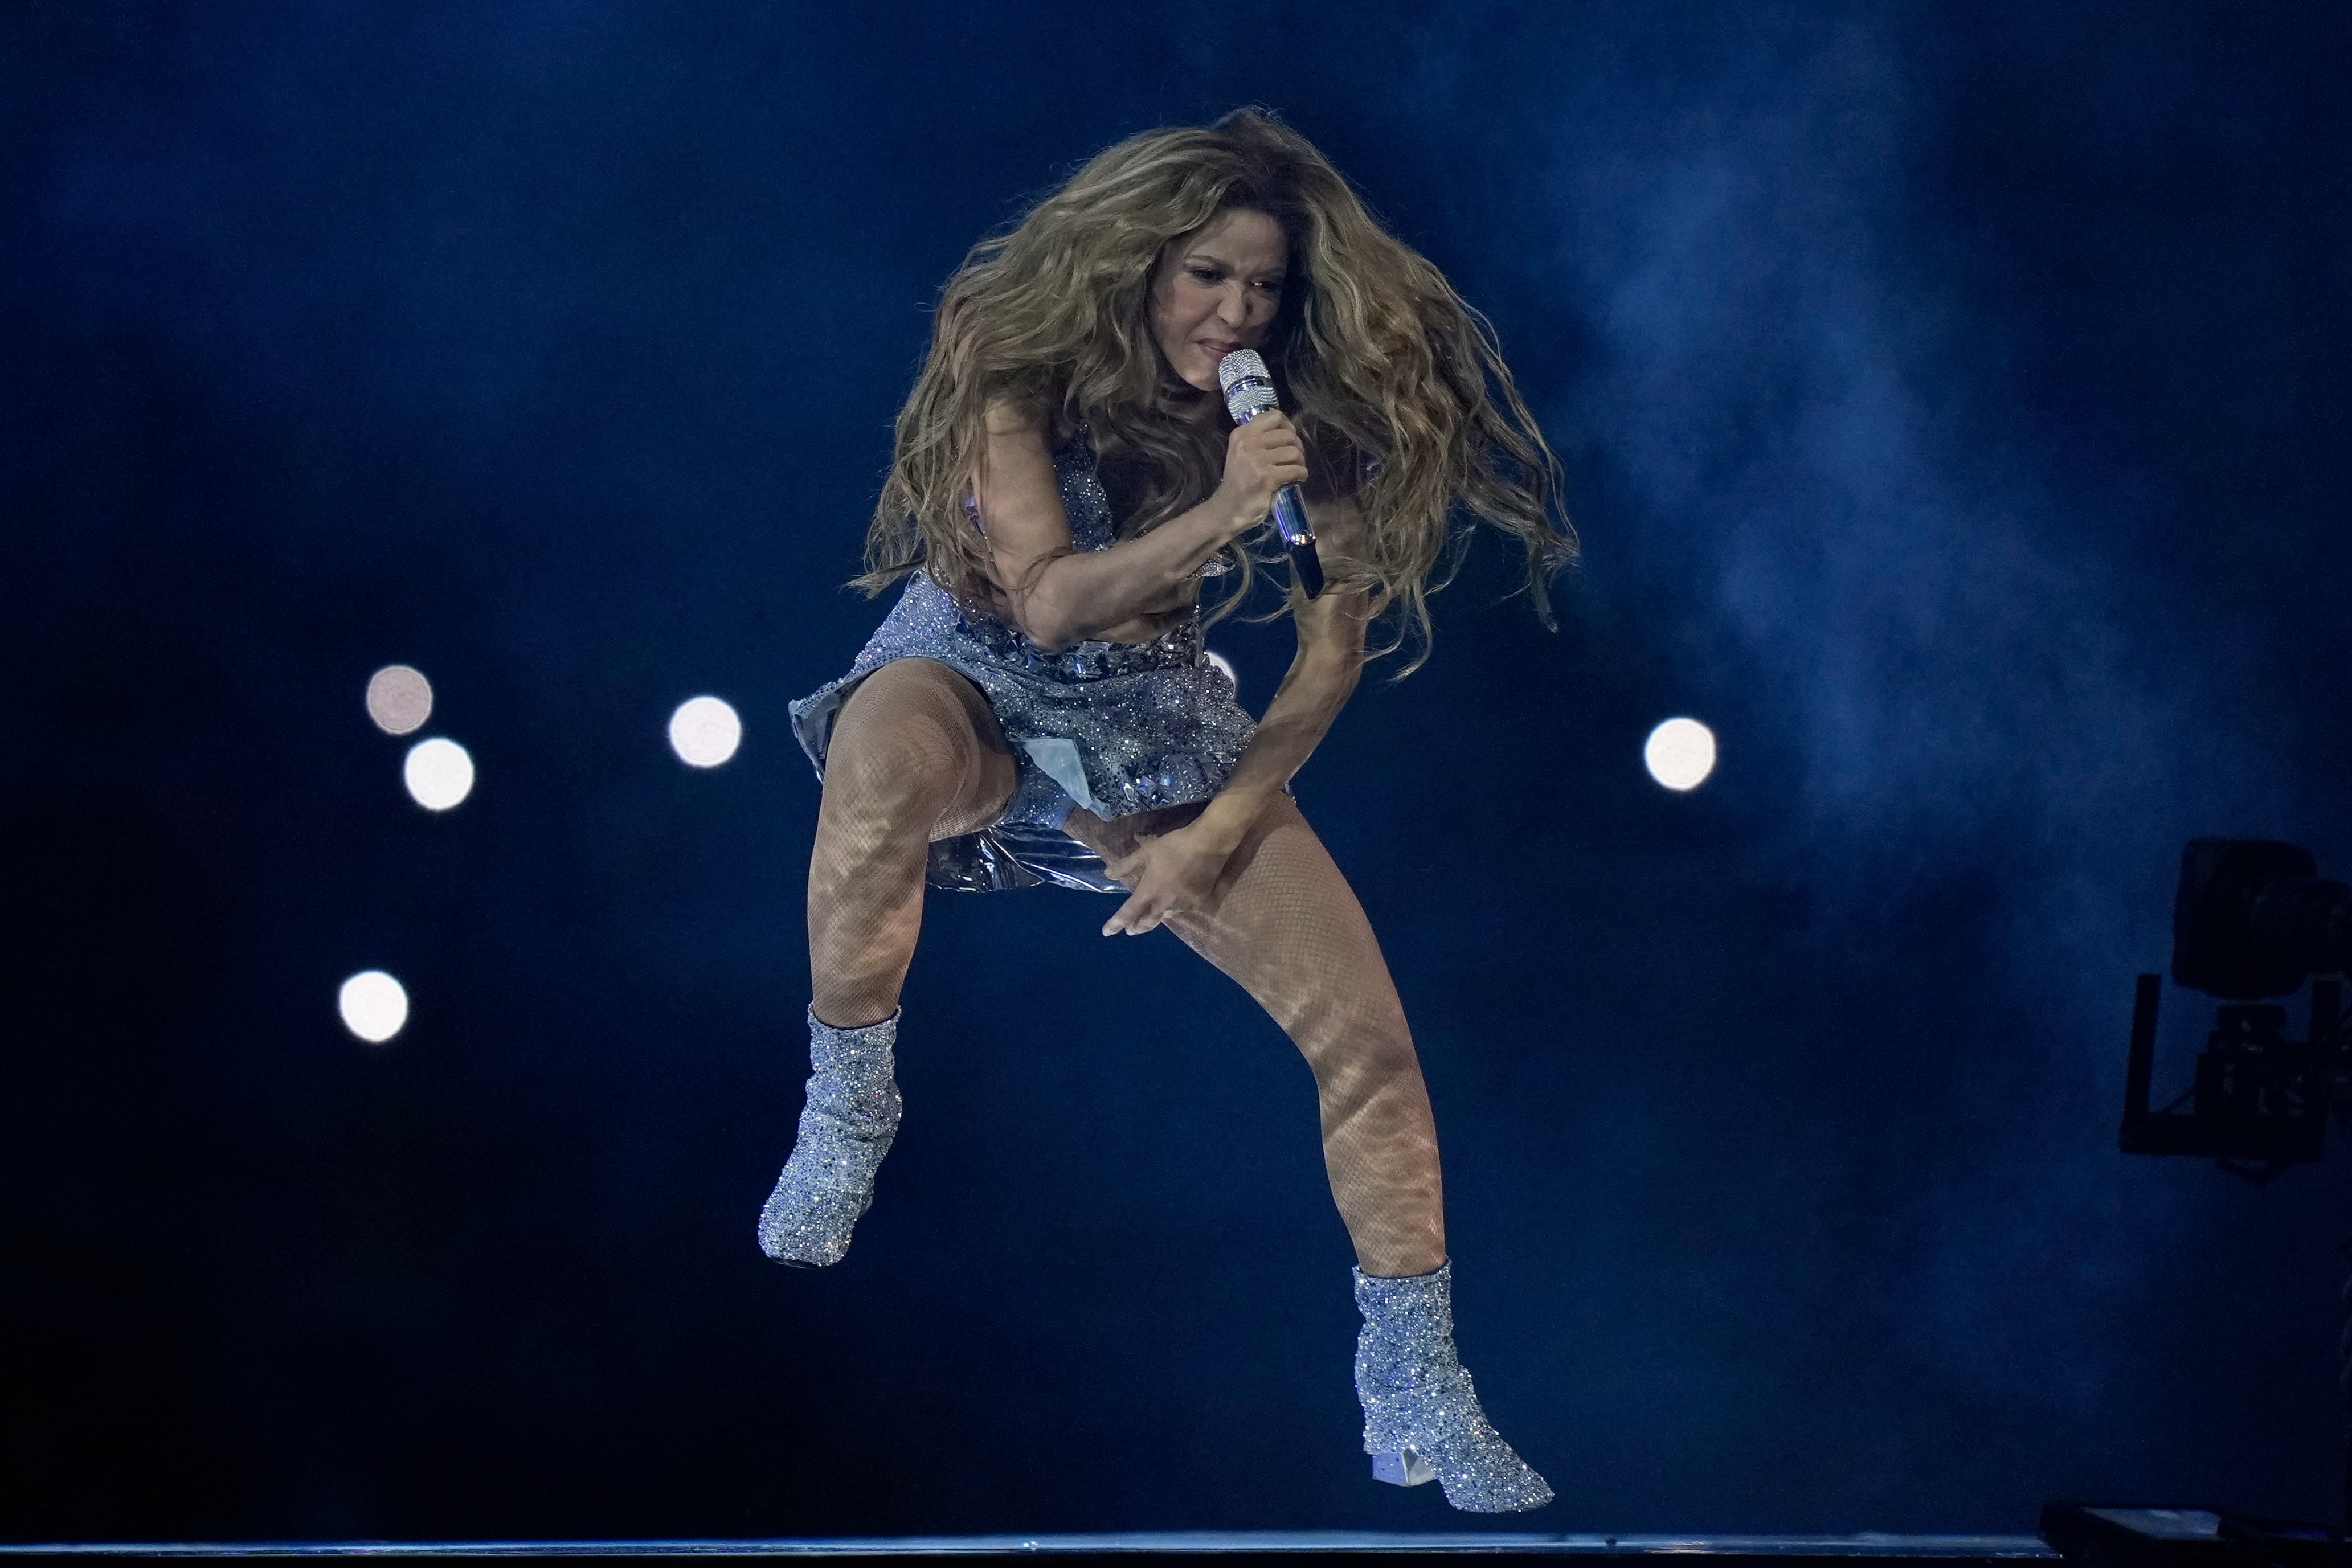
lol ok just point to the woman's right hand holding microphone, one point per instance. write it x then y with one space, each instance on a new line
1261 458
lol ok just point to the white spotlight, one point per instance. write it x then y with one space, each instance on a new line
438 774
1226 668
1680 753
399 699
704 732
373 1006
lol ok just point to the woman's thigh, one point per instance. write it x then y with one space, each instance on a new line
1287 926
917 737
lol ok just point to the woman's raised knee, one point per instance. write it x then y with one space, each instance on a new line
904 746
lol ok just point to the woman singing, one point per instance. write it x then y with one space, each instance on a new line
1038 707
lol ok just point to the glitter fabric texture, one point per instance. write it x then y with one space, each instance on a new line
1117 727
847 1127
1249 390
1420 1415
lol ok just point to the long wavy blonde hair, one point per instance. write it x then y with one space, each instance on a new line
1396 386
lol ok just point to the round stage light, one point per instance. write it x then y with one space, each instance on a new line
1226 668
399 699
373 1006
438 774
1680 753
704 732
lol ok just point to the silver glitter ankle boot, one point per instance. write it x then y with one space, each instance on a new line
846 1129
1422 1420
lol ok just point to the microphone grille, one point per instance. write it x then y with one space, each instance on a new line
1242 364
1249 390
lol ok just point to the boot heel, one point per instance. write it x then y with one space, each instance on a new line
1405 1469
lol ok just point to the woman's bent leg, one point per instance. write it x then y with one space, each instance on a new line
916 756
1289 930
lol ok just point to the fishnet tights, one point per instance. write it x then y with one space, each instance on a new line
916 756
1288 930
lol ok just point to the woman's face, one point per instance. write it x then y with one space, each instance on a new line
1216 289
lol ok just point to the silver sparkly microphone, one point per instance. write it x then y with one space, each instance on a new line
1249 392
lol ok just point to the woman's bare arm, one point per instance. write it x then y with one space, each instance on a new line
1059 596
1322 678
1181 870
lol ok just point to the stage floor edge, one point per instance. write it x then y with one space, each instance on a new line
1781 1551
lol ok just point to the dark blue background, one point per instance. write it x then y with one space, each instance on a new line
1953 402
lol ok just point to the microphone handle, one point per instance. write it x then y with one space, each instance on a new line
1290 516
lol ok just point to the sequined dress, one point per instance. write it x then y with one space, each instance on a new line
1117 727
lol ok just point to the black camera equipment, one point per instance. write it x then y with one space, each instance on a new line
2252 922
2090 1535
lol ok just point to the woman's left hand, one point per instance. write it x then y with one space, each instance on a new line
1175 873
